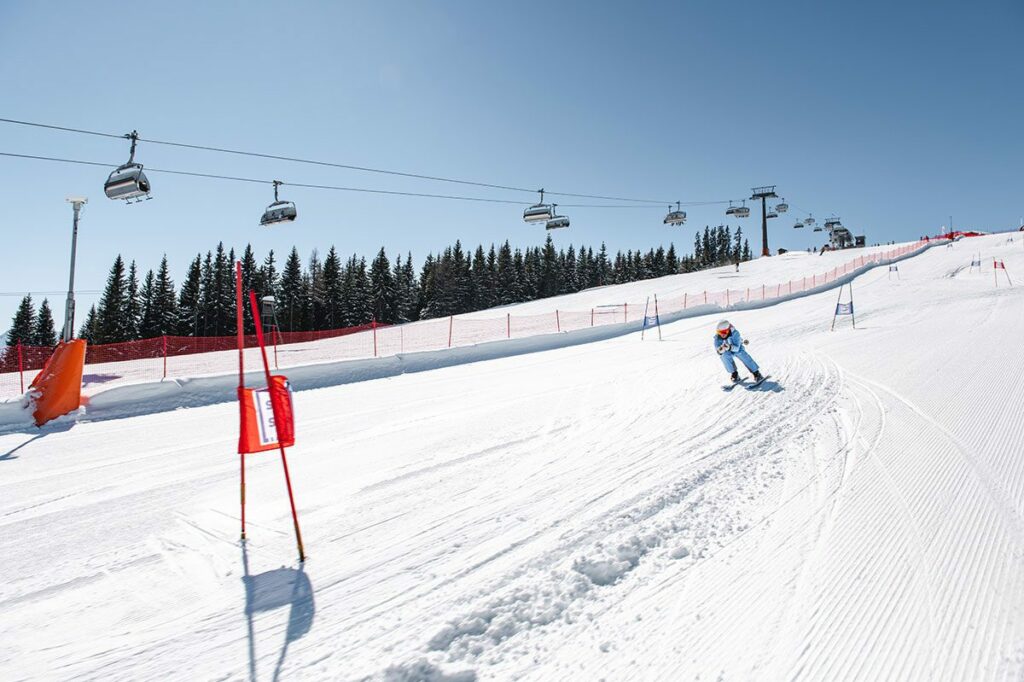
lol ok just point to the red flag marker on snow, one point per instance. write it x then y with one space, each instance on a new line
997 266
266 418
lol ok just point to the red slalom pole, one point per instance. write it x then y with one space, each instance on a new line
273 406
241 379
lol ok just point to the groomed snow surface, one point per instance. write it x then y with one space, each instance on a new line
595 511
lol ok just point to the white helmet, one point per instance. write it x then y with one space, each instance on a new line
723 325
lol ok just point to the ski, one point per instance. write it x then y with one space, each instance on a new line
754 385
728 387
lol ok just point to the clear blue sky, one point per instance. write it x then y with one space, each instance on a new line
892 115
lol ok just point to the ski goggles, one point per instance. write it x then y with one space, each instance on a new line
724 332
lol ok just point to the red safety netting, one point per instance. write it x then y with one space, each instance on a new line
182 356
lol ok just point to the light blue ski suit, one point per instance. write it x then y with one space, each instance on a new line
733 350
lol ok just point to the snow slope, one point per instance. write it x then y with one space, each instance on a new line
569 313
587 512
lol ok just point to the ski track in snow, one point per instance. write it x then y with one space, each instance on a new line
601 511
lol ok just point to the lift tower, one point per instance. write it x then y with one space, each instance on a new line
764 193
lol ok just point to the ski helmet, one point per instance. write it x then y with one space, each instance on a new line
723 326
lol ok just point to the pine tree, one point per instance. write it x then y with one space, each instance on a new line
603 267
383 292
570 283
658 263
164 300
425 300
461 292
548 275
250 281
507 290
746 250
359 293
290 303
268 275
132 313
333 290
189 300
671 260
88 329
531 274
149 324
207 297
222 301
111 325
491 297
315 295
44 334
23 325
411 309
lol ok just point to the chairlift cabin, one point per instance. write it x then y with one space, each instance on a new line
770 215
557 221
782 207
742 212
817 228
676 217
832 224
809 220
539 212
279 211
798 225
128 182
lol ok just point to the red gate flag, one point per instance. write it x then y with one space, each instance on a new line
1000 264
260 429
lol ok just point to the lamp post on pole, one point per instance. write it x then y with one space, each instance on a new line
69 306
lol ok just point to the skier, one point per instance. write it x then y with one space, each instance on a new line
730 346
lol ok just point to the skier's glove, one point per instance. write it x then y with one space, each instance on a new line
724 348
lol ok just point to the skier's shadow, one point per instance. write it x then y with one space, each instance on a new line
767 386
272 590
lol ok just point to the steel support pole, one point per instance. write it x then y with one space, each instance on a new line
69 306
764 227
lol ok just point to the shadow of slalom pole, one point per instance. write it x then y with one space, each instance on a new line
272 590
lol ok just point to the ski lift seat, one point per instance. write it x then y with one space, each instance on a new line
741 212
537 212
781 208
557 222
675 218
127 182
279 212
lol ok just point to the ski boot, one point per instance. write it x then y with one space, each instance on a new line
757 377
735 377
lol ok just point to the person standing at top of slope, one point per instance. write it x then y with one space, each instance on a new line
730 346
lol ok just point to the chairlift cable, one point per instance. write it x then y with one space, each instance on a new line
338 188
364 169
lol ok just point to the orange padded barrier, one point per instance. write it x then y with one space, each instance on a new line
58 387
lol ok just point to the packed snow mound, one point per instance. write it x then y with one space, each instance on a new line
594 511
